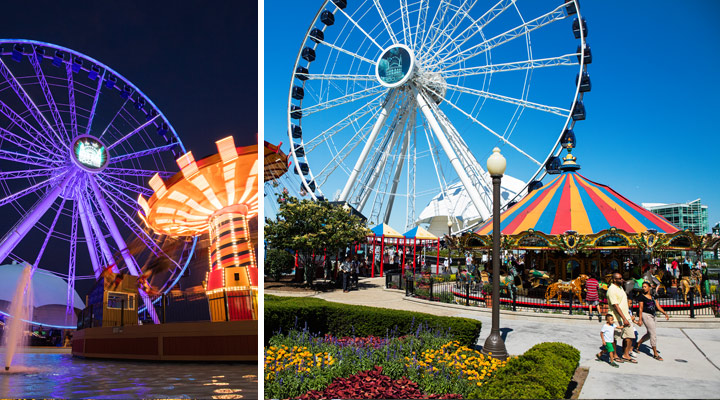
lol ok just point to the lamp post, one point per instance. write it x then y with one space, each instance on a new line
450 224
494 344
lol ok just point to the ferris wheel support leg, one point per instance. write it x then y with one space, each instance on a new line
89 238
115 233
99 235
396 177
382 117
454 160
18 232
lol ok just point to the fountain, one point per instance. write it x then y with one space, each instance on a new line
21 311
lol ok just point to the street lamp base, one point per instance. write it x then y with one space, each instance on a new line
495 347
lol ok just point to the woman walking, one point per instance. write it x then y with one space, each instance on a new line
649 306
592 299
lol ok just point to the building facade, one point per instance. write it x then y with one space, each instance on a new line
692 215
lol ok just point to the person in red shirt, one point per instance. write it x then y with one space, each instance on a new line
592 299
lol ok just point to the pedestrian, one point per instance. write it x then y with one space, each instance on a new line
649 306
675 269
346 269
607 335
592 299
617 299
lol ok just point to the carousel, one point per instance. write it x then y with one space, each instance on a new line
572 228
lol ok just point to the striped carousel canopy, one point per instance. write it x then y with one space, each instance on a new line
419 233
385 230
571 202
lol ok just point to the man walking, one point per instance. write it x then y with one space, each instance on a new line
617 299
346 270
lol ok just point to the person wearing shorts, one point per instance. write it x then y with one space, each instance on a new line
607 334
618 302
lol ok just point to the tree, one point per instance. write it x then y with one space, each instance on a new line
312 227
278 262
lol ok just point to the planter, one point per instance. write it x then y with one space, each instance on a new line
488 301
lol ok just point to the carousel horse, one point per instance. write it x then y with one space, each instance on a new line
688 283
507 283
658 281
574 286
538 278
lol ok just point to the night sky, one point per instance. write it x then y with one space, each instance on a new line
197 61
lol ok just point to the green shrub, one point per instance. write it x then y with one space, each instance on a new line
319 316
277 263
542 372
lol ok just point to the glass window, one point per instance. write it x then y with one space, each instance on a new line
120 300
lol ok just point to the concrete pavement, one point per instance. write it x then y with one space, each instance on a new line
691 348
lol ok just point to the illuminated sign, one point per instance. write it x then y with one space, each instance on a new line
395 66
89 153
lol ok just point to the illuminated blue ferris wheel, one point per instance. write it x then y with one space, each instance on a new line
78 143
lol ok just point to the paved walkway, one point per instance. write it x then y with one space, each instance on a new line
691 348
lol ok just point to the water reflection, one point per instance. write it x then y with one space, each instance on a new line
62 376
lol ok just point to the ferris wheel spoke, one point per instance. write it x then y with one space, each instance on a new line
89 236
70 300
25 174
420 24
29 103
40 75
27 191
562 112
123 184
20 122
48 236
346 121
444 30
352 20
23 143
564 60
398 168
133 132
500 137
476 26
348 98
405 19
142 153
429 34
25 158
341 77
96 98
71 98
136 172
112 121
512 34
348 52
385 21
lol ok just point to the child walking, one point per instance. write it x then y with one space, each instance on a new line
607 333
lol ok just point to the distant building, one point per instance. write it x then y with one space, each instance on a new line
692 216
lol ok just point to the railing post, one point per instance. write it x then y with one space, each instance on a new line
692 303
467 293
432 298
92 315
514 301
387 281
122 312
571 303
407 286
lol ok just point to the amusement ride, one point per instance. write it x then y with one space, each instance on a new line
78 142
392 104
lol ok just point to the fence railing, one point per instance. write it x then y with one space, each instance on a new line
443 289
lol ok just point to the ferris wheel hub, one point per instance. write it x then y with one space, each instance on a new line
395 66
89 153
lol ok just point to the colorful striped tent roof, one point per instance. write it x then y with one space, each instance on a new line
419 233
385 230
571 202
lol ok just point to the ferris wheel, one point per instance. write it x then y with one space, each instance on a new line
393 102
78 143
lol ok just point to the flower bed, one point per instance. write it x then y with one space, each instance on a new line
426 364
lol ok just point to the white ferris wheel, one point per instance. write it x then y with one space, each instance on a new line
393 102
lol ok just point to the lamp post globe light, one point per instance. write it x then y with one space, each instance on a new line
494 344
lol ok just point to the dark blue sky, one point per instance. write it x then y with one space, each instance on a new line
651 130
196 60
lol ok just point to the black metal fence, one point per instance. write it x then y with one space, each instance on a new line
445 288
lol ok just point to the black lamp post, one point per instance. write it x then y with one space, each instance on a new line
450 224
494 344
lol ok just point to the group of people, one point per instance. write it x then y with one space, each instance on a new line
350 270
619 321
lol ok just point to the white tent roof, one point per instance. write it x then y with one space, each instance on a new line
47 288
457 203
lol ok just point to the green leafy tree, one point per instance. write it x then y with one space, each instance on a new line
312 227
277 263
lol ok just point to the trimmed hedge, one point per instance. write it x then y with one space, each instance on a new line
283 314
543 372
